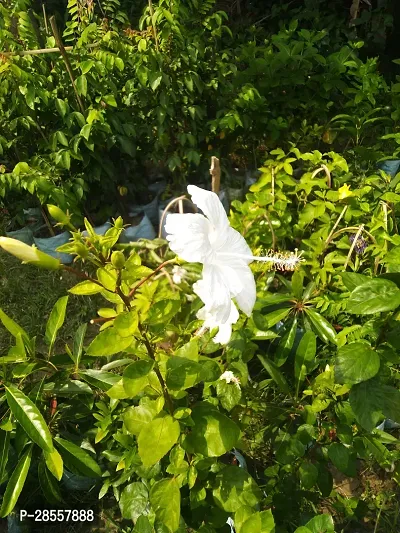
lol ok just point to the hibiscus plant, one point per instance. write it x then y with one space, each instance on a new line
177 413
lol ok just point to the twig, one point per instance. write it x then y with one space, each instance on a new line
141 282
151 353
45 18
49 226
66 61
215 171
273 185
43 51
353 245
271 229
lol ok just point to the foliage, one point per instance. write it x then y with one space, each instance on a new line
169 91
141 410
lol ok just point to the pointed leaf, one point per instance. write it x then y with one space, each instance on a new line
78 460
4 449
16 484
325 331
56 320
286 344
275 373
48 485
54 463
30 418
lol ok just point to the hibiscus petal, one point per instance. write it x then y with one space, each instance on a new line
215 292
230 242
224 334
239 279
211 206
188 236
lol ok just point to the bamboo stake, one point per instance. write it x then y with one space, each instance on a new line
45 18
57 37
215 171
42 51
360 229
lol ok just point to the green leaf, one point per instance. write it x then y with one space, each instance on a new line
56 320
110 100
342 459
213 433
260 522
356 362
16 483
54 463
157 438
81 85
77 460
4 449
370 399
352 280
30 418
275 373
135 418
320 523
276 316
108 342
126 323
12 326
48 485
86 288
133 501
163 311
86 66
182 373
135 377
325 331
165 499
286 344
375 296
297 283
155 80
61 107
305 355
99 378
229 394
189 350
235 487
77 347
143 525
308 475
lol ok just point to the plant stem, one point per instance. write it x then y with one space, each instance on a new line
272 230
66 61
151 353
82 275
149 348
141 282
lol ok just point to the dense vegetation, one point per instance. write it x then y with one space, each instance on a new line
115 397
